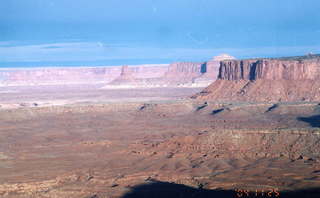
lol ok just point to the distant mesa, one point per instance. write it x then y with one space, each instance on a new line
266 80
183 73
125 72
138 77
210 70
126 76
178 74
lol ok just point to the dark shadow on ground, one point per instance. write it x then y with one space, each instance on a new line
214 112
313 121
202 106
158 189
272 108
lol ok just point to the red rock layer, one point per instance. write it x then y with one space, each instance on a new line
270 69
266 80
209 72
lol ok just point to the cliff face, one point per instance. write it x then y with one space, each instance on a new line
209 73
183 72
270 69
210 69
196 74
266 80
148 71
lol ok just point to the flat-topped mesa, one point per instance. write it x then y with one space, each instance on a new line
178 74
270 69
211 68
77 75
195 73
138 76
126 73
58 75
184 70
266 80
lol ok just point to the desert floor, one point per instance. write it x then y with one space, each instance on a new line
83 141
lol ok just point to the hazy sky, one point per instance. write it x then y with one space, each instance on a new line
88 32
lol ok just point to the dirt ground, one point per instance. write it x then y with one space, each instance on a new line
73 142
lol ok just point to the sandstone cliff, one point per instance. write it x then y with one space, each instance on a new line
180 74
272 69
267 80
210 69
176 74
183 73
195 74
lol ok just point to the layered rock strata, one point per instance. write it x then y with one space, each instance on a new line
266 80
74 75
178 74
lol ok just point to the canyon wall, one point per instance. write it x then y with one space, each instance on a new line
183 73
267 80
211 70
209 73
272 69
176 74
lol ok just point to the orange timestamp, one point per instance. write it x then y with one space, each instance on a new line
272 193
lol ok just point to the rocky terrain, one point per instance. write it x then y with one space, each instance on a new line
267 80
113 150
254 132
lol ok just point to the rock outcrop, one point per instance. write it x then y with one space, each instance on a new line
183 73
270 69
195 74
138 77
178 74
211 70
126 76
266 80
